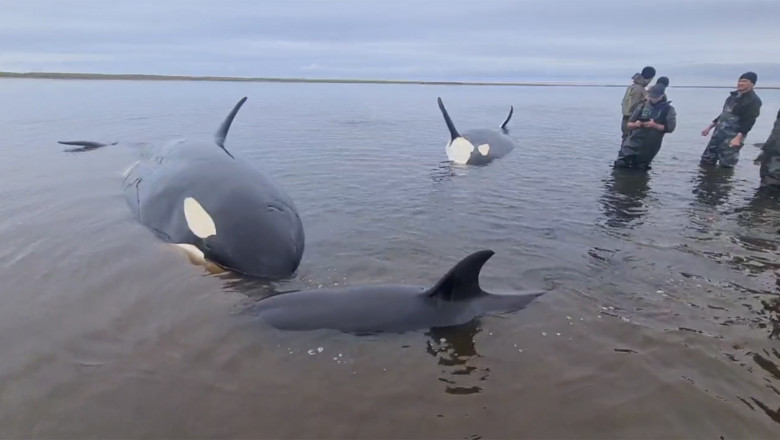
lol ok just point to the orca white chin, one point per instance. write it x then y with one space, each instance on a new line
459 150
197 258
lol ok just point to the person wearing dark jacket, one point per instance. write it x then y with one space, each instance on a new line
648 124
739 114
769 158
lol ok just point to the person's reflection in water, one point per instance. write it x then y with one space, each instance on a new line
759 234
454 348
624 196
713 185
762 210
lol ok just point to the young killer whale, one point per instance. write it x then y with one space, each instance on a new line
454 300
478 146
218 208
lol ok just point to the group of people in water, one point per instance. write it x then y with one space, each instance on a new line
648 115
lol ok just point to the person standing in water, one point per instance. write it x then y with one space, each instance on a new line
635 94
739 114
769 158
648 124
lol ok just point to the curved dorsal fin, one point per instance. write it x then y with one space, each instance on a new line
511 110
453 131
221 134
462 281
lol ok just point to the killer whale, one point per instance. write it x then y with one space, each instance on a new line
455 299
478 146
220 209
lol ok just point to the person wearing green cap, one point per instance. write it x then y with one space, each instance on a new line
635 93
735 121
648 124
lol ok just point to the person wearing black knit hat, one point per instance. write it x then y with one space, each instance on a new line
635 93
735 121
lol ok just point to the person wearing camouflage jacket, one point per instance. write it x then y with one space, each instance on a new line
769 158
739 114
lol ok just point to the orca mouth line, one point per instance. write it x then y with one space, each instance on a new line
229 268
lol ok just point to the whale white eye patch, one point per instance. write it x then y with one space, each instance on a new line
198 220
459 150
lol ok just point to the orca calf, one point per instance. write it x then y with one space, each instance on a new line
454 300
221 210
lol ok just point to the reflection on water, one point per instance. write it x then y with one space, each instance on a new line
623 200
762 210
446 170
771 307
713 184
455 349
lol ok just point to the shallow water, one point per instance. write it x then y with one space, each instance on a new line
663 321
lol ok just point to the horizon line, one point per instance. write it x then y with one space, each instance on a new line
207 78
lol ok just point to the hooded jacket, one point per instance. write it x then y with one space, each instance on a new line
635 93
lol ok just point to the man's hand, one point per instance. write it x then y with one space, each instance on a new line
653 124
737 141
706 131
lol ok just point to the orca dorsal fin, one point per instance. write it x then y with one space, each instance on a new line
453 131
506 121
221 134
462 281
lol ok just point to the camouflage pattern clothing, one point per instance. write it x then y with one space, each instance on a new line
738 116
643 144
635 94
769 159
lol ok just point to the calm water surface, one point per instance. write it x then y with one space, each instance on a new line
663 321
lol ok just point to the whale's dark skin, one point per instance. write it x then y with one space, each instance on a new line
478 146
196 194
454 300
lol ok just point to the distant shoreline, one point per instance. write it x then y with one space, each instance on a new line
145 77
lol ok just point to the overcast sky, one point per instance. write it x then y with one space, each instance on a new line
597 40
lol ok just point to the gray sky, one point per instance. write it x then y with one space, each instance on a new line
705 41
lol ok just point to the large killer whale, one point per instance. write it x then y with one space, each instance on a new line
478 146
455 299
220 209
